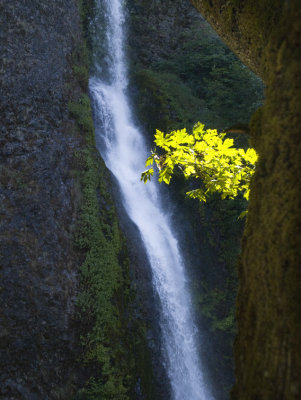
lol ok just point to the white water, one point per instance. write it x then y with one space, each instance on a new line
124 151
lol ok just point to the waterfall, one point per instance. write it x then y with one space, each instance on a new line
122 147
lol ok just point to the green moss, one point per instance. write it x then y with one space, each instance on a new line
114 354
200 81
172 104
80 61
81 54
82 74
103 285
86 11
82 113
113 342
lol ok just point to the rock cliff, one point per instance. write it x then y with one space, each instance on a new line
39 199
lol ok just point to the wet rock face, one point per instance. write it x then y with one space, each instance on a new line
38 199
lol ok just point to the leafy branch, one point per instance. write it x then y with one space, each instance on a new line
206 155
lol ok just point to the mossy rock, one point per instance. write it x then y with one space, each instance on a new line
266 36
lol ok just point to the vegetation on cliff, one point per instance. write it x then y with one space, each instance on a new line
199 79
113 350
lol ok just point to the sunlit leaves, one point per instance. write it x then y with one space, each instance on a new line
146 175
149 161
197 194
206 155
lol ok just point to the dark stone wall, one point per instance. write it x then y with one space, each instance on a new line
266 36
163 22
39 199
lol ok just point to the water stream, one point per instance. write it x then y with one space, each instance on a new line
123 149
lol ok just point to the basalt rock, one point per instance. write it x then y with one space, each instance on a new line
39 199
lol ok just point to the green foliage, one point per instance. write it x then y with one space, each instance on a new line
227 91
173 103
81 53
80 57
230 90
82 113
220 235
80 61
104 287
225 324
215 292
104 290
214 305
233 92
205 155
85 11
82 74
114 350
105 300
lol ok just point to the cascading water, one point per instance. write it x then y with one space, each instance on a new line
123 149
